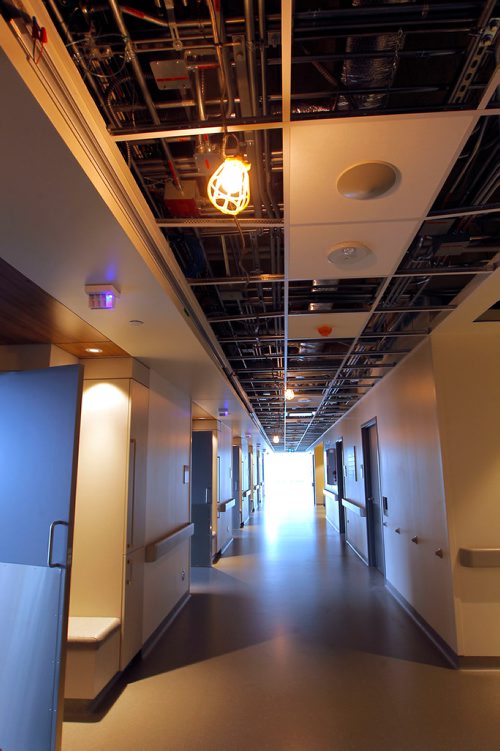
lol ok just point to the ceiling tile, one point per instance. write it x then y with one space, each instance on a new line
422 148
310 245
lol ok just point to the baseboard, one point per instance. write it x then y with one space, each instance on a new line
355 550
448 653
479 663
223 550
332 524
157 634
92 710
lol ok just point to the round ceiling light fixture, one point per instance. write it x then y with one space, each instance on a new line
368 180
351 255
289 394
276 439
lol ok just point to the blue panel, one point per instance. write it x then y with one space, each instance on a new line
39 414
30 636
201 467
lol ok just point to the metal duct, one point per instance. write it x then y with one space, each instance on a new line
376 72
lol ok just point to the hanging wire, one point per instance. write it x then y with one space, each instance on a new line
84 65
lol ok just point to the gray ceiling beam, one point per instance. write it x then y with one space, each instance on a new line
380 310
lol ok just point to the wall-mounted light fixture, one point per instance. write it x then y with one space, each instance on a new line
102 296
229 187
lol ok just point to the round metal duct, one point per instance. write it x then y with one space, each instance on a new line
368 180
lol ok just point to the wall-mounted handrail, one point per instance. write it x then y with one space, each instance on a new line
331 493
479 557
359 510
225 505
158 549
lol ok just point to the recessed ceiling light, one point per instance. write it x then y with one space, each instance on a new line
136 322
304 400
368 180
351 254
93 350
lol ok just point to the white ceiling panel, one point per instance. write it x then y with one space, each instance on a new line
422 148
310 245
344 325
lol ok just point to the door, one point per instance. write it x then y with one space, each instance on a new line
340 484
237 512
39 426
201 498
373 497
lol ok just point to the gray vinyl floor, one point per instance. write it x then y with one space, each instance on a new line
290 643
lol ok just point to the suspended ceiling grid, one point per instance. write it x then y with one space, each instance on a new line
309 89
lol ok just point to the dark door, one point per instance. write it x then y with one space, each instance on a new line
39 426
373 497
201 497
340 484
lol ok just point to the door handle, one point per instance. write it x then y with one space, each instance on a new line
59 522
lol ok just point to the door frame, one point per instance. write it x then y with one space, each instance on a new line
367 481
339 444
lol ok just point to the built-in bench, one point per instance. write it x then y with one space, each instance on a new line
93 655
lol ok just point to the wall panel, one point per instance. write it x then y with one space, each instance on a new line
468 376
404 404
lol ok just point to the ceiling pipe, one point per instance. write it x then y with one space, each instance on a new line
219 34
118 16
109 111
252 78
265 109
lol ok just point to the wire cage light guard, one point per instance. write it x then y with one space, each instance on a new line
229 186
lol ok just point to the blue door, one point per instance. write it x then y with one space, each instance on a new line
39 426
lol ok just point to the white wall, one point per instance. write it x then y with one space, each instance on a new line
113 411
467 370
167 499
101 494
404 404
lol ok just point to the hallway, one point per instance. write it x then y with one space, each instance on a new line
290 643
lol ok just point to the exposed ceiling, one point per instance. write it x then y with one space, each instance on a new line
310 90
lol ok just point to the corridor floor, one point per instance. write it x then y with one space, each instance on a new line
290 643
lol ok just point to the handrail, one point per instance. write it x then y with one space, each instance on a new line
225 505
158 549
332 493
359 510
479 557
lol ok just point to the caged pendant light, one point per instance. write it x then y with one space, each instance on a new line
229 187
